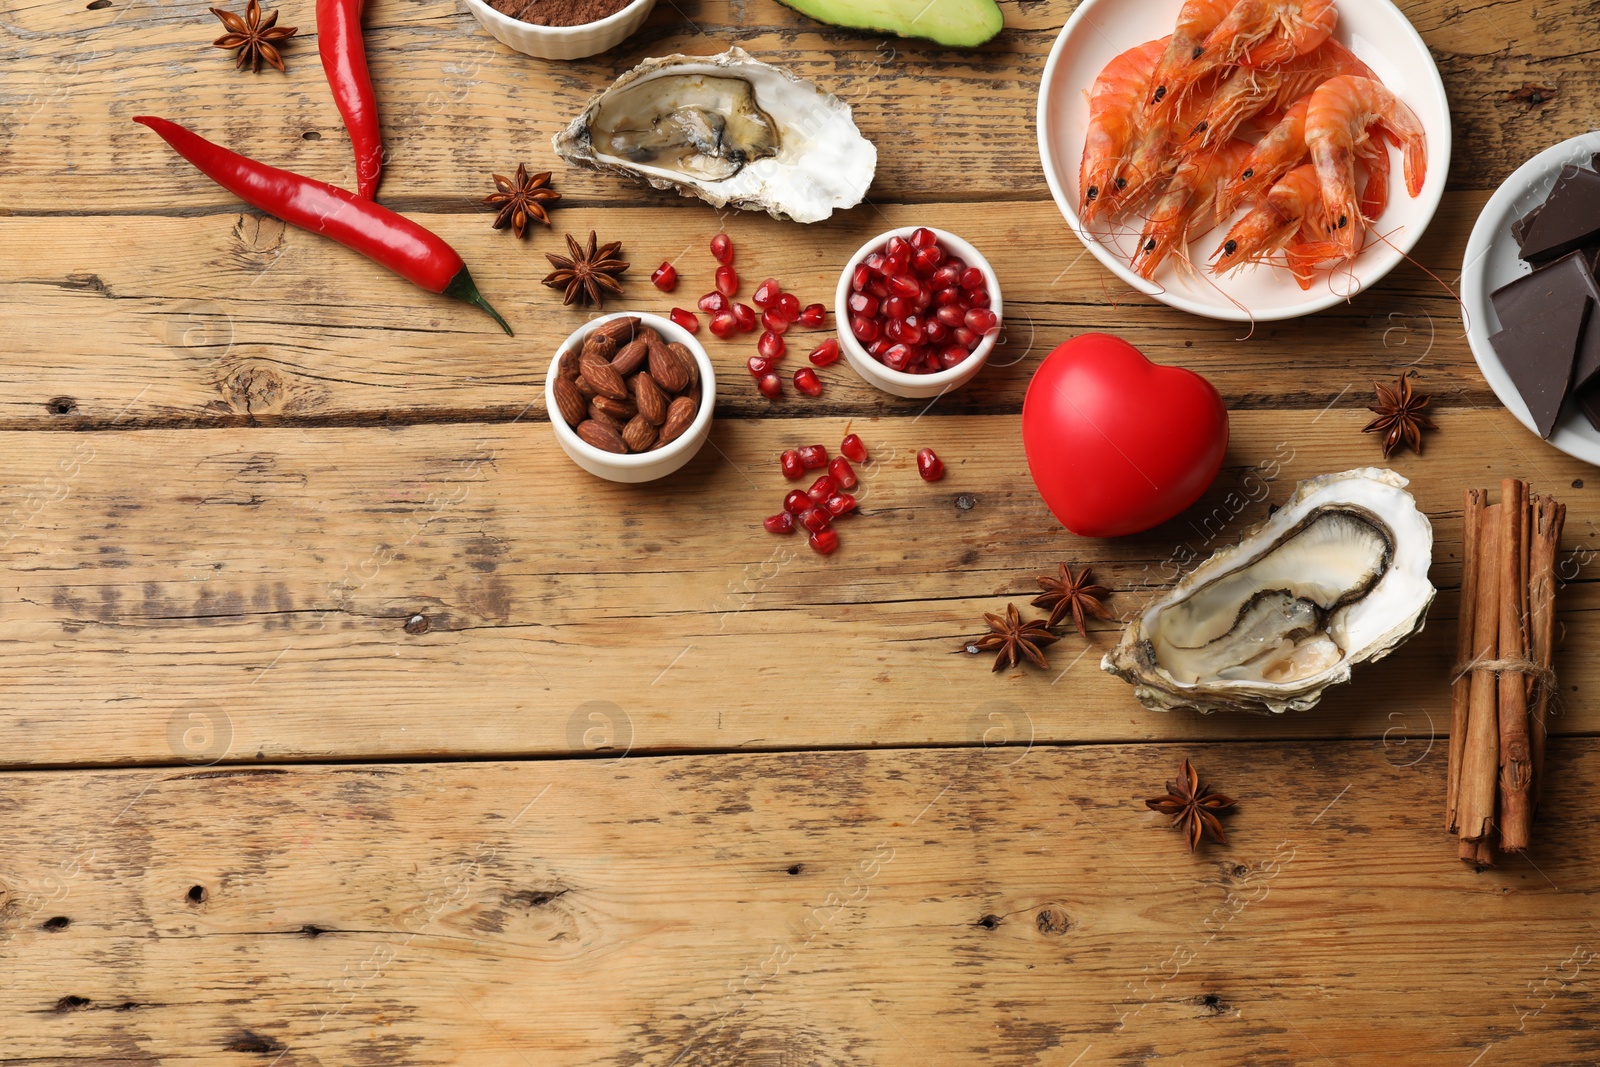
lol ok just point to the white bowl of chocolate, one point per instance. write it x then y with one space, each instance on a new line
561 29
630 397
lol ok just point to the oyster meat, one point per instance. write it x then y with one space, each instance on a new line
728 129
1336 577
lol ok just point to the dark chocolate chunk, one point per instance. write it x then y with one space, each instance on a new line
1568 219
1572 273
1519 229
1589 403
1542 316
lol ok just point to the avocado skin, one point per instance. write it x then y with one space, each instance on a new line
956 23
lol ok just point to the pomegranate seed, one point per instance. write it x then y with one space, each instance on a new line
982 320
815 519
951 356
712 303
826 353
766 293
922 237
979 299
947 276
930 466
863 304
792 463
771 386
896 329
841 472
686 319
877 348
927 260
813 457
854 448
897 307
897 246
898 357
788 306
935 331
722 324
772 319
862 276
759 366
806 380
781 523
814 315
866 330
956 264
945 297
771 345
839 504
796 502
904 285
874 262
744 316
722 249
825 541
727 280
966 338
972 278
877 288
822 489
665 277
951 315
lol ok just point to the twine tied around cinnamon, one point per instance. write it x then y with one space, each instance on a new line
1541 675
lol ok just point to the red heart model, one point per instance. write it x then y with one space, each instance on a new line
1115 443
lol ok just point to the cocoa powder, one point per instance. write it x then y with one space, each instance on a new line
559 12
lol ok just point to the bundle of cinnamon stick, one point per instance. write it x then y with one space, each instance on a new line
1500 698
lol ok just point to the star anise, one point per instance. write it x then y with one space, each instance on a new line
1192 806
1068 593
519 199
1010 637
587 275
253 36
1400 418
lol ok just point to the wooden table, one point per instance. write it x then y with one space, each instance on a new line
346 722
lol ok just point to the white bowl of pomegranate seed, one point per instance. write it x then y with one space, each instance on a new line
918 311
630 396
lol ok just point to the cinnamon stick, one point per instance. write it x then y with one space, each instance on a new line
1480 758
1549 517
1461 688
1516 756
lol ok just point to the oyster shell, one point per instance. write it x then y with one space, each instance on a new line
728 129
1336 577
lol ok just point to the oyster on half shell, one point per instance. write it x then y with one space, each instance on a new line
1336 577
728 129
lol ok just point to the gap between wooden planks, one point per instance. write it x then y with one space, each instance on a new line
186 594
893 908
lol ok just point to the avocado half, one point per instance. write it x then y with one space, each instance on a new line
957 23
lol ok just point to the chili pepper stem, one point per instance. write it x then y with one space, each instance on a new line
462 287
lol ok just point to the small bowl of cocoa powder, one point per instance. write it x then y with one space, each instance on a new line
561 29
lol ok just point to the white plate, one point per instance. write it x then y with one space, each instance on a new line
1492 261
1374 30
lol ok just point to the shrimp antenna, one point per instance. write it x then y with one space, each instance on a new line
1465 314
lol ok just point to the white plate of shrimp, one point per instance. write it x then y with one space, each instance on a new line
1247 160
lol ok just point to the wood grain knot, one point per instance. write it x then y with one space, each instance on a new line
197 894
249 1041
61 405
417 624
989 922
59 922
254 389
1052 923
69 1003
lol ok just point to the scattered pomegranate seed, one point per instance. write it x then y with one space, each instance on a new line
767 293
727 280
781 523
822 489
815 519
687 319
842 473
712 303
788 306
745 316
722 249
665 277
826 353
813 457
771 345
806 380
929 465
722 324
797 501
839 504
825 541
853 447
771 386
772 320
760 366
922 237
814 315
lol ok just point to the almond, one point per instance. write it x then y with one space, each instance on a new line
572 406
631 358
621 410
603 417
602 436
603 376
686 357
567 363
618 330
600 346
679 415
648 334
638 435
648 399
667 369
584 387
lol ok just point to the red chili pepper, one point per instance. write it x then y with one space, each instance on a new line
344 61
416 254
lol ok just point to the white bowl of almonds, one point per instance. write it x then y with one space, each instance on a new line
630 397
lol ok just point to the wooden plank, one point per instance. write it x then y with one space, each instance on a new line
895 908
227 319
948 123
197 594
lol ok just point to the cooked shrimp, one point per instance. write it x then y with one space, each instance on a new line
1177 70
1273 223
1262 33
1340 119
1248 91
1283 148
1187 207
1154 154
1116 104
